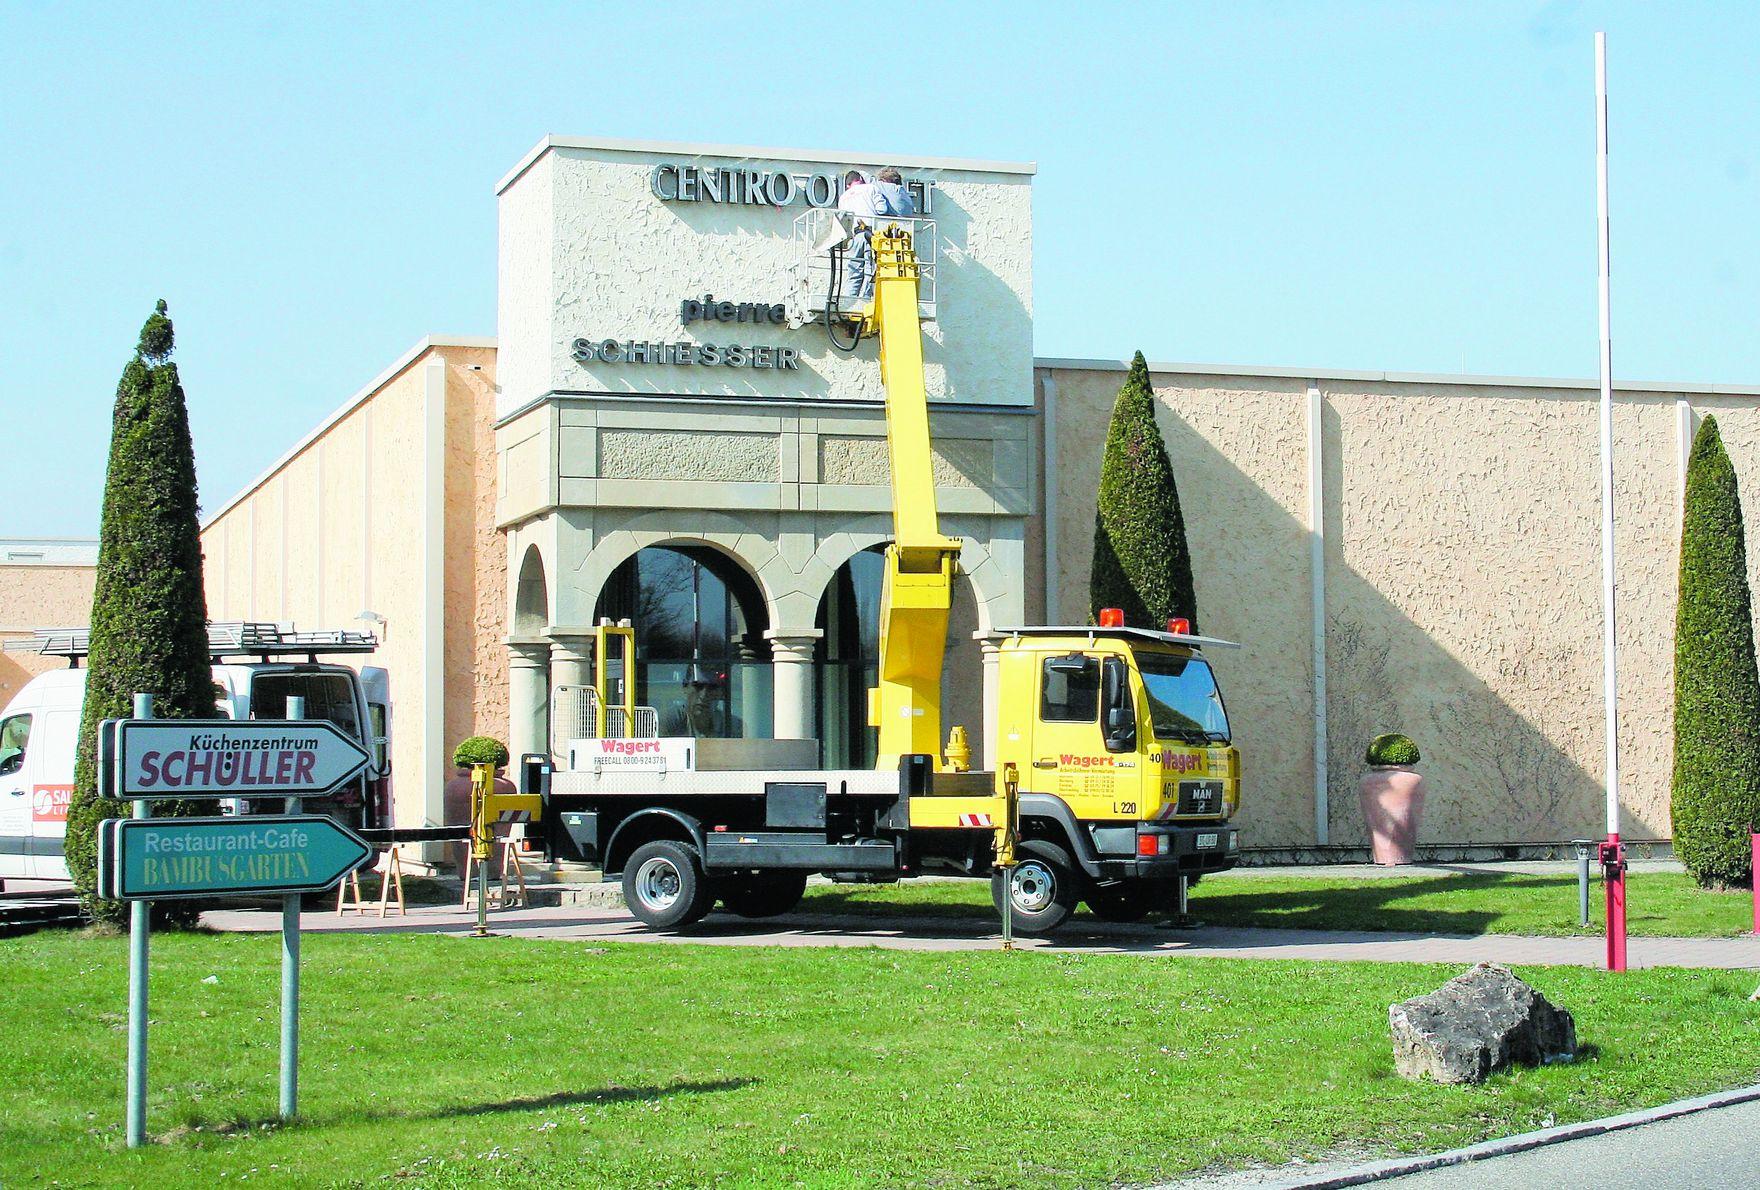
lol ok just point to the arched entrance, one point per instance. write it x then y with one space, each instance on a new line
531 597
848 660
528 663
701 658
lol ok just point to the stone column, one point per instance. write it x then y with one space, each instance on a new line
749 709
991 647
791 653
571 660
528 698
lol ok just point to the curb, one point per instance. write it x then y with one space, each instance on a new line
1400 1166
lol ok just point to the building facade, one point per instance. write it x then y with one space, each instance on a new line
382 518
1411 553
656 438
45 582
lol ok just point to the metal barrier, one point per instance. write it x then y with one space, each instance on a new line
577 714
814 233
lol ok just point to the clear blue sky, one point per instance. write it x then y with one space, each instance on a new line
1399 186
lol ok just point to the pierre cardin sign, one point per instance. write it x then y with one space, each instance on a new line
761 187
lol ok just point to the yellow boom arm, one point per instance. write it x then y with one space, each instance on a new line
918 581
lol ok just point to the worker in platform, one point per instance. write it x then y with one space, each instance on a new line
890 195
861 201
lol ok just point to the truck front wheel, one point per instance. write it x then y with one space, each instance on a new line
762 894
664 886
1041 888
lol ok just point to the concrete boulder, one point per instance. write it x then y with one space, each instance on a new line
1476 1024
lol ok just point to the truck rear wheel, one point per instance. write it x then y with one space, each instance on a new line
664 886
764 893
1042 888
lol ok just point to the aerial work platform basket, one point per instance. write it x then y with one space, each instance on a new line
827 247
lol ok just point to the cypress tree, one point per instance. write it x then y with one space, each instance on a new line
1141 563
1716 790
149 614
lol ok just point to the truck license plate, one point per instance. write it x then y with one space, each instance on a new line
1206 841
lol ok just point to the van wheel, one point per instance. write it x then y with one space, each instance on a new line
763 894
1130 902
1041 888
664 886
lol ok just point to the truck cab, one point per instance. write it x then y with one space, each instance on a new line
1125 762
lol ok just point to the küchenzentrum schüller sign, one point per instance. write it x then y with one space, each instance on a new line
169 758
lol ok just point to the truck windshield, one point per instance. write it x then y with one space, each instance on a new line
1184 703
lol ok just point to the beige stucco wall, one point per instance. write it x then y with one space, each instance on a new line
342 525
476 573
33 597
1238 458
1462 563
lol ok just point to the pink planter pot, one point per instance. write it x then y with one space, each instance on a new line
1393 800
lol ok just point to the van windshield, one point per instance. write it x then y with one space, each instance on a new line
1184 703
328 696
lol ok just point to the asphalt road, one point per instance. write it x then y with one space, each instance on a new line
924 931
1717 1149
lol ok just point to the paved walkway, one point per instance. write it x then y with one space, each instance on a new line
926 932
1519 867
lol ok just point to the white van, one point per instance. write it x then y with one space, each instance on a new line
39 732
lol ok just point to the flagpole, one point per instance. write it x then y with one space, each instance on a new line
1612 851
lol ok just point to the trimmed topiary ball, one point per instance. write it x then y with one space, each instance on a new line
480 749
1393 749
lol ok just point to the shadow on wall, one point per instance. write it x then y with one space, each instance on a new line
1493 773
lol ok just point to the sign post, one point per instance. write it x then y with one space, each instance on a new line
139 921
296 709
141 859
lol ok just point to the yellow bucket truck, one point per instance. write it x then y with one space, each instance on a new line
1112 742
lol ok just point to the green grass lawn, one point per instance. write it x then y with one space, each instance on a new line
447 1062
1659 903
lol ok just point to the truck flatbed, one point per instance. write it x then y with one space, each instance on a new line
633 782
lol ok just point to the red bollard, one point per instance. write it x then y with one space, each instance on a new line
1613 867
1755 870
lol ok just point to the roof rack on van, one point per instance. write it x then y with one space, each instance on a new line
226 638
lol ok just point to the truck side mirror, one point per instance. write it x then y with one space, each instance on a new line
1119 716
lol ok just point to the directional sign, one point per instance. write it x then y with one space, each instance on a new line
165 758
150 859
